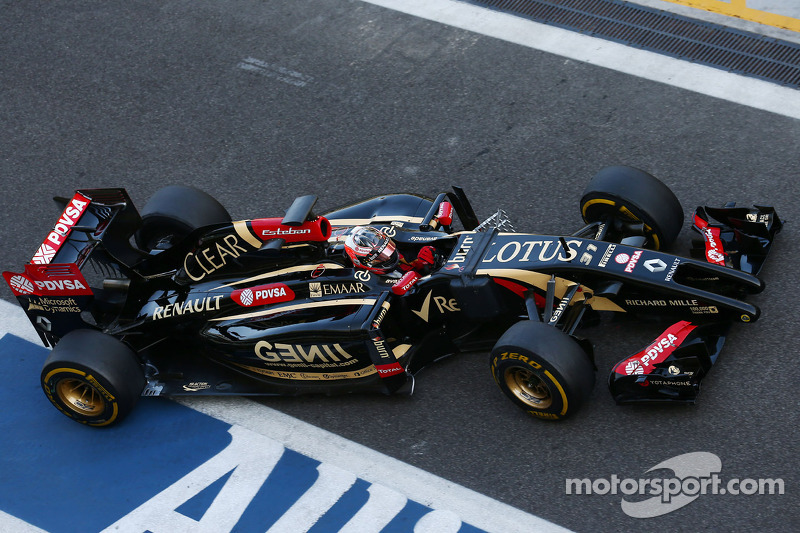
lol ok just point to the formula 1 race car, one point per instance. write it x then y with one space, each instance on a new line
181 300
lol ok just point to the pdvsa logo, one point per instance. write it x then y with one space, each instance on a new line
20 284
61 285
61 230
263 295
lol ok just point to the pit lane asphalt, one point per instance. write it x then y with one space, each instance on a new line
260 102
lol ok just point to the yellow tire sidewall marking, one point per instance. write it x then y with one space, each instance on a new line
114 406
596 201
560 390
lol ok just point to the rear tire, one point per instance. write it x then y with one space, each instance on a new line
92 378
542 370
635 196
174 212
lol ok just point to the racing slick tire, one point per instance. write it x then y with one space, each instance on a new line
174 212
542 370
92 378
635 196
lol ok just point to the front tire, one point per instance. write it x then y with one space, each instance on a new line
92 378
542 370
633 195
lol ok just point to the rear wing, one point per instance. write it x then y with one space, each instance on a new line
92 216
94 227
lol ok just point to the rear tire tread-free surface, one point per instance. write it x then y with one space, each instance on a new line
175 211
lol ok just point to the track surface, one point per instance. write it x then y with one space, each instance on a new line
260 102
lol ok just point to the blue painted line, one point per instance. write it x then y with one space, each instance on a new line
60 476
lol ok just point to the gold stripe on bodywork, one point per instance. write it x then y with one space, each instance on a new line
310 376
368 221
539 280
243 230
400 350
281 272
295 307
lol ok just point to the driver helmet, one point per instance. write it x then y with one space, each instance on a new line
371 249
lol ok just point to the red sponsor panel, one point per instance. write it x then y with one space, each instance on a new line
21 285
445 213
405 283
58 235
699 221
271 228
644 362
263 295
516 288
714 250
392 369
48 280
520 290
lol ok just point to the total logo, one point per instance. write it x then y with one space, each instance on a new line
263 295
392 369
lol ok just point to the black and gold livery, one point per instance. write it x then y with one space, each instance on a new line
178 299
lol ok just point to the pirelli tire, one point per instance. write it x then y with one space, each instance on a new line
542 370
93 378
636 196
173 212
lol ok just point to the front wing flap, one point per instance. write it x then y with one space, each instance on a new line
671 367
737 237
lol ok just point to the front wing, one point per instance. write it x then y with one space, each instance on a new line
672 366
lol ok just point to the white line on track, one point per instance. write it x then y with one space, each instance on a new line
427 489
13 320
649 65
328 448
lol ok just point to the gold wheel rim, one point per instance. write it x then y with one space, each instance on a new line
528 388
80 397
